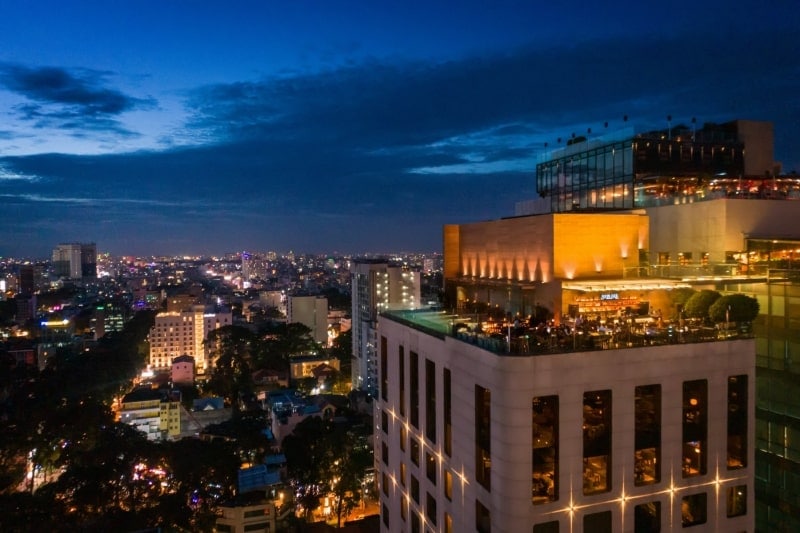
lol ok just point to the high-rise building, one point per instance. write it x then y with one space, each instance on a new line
312 312
75 261
376 286
490 423
719 209
177 333
476 413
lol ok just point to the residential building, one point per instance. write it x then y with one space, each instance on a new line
248 513
156 413
184 333
376 286
312 312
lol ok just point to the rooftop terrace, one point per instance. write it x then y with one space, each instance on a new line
519 338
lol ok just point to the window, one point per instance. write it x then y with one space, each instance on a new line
448 413
260 526
596 442
663 258
385 483
403 509
385 515
430 400
401 360
737 501
737 421
385 422
385 453
384 370
403 474
483 457
430 507
647 517
448 485
414 390
647 437
448 523
695 427
483 521
693 510
415 523
546 527
414 451
414 488
430 467
403 438
597 522
545 449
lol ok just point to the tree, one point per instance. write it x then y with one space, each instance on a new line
232 377
679 297
698 304
309 452
734 308
354 458
325 458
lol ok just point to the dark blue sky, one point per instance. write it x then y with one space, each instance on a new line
207 127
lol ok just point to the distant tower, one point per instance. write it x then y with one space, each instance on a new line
376 287
75 261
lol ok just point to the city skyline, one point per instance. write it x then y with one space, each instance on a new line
160 130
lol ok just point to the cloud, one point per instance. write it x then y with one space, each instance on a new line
378 155
75 100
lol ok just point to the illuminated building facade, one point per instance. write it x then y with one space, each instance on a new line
719 216
624 170
184 333
474 438
458 410
376 286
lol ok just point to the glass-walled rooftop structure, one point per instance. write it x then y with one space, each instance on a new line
677 165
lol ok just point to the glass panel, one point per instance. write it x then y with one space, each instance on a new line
695 427
547 527
647 517
693 510
737 501
483 461
647 439
596 441
597 522
545 449
737 421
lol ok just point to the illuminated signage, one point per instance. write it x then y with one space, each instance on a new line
610 296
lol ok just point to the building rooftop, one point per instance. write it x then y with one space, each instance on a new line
520 338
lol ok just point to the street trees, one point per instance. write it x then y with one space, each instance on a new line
327 459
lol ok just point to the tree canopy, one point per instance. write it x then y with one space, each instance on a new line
698 304
734 308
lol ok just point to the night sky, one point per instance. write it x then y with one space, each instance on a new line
191 127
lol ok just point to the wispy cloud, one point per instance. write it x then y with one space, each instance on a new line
8 175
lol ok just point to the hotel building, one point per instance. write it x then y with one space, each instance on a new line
491 430
178 333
